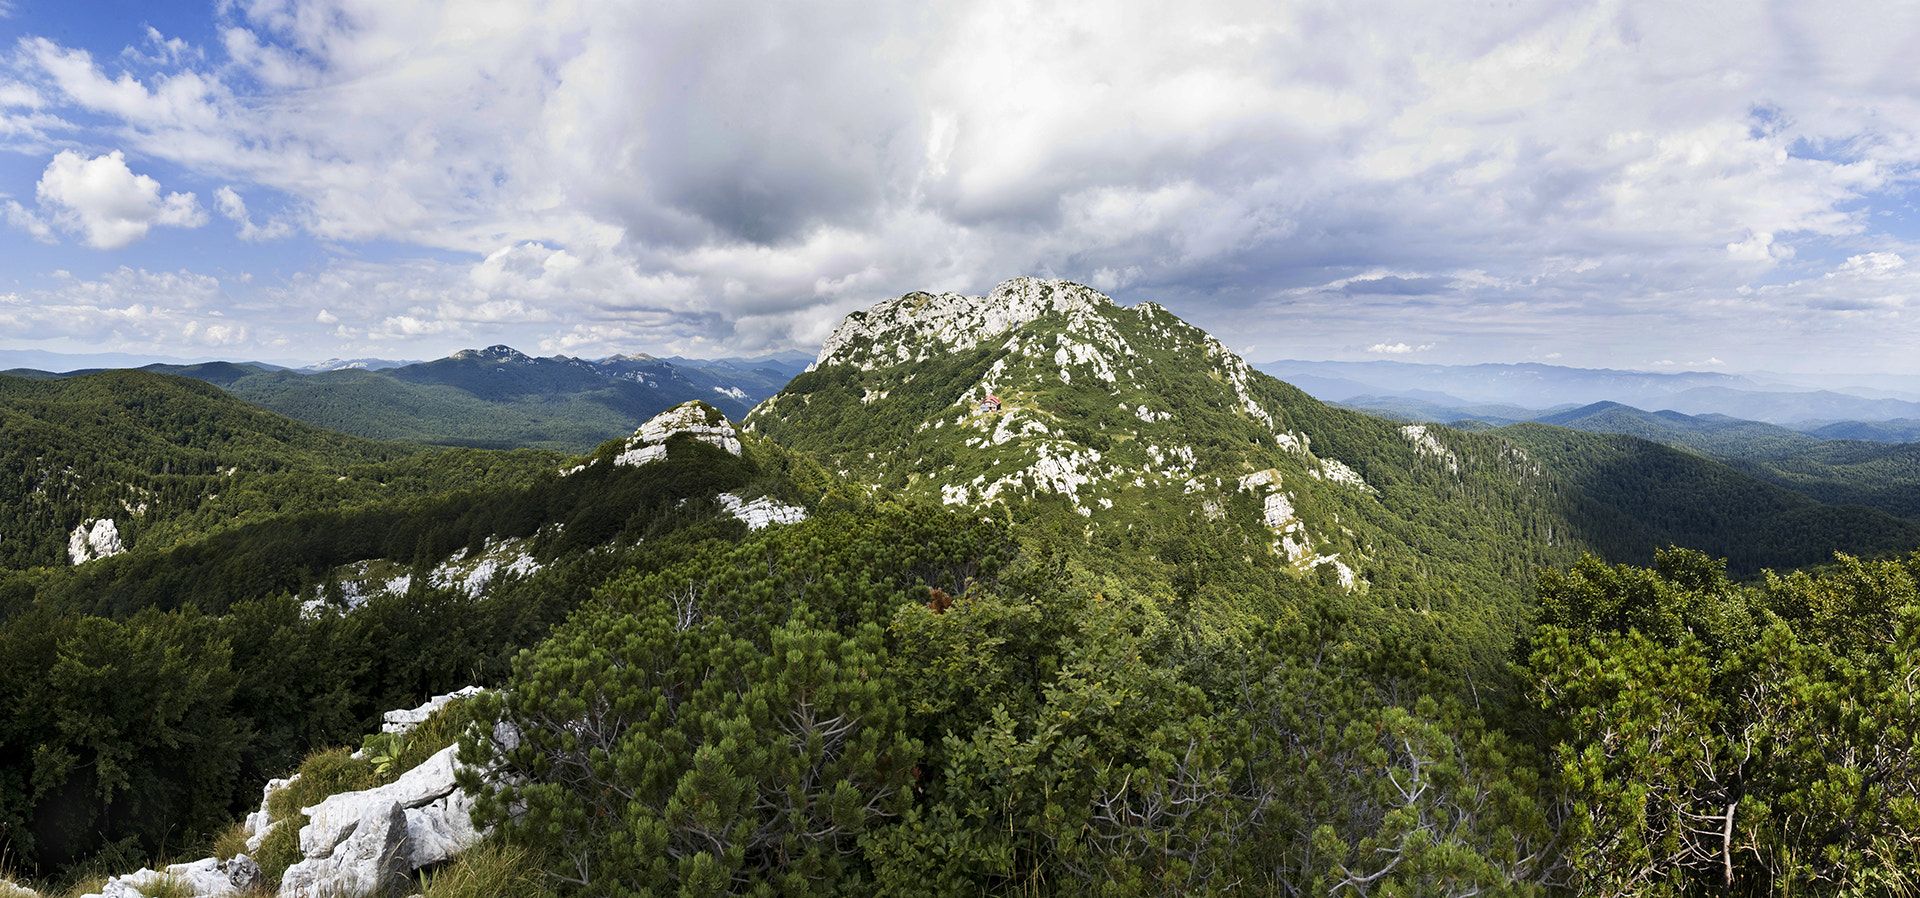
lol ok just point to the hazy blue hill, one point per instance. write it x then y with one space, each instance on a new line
1529 385
501 374
499 397
785 365
372 405
1788 407
218 373
1718 435
1897 430
1824 468
1416 409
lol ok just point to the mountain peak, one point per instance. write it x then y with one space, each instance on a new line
1050 391
919 325
497 353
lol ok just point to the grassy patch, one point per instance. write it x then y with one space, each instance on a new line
231 841
488 869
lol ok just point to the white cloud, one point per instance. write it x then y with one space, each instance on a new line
1871 265
233 207
21 217
1398 348
108 203
129 309
737 175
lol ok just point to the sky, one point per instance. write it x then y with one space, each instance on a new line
1641 185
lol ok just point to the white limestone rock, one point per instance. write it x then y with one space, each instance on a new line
1339 473
1425 443
358 842
762 511
94 539
704 422
1267 478
367 855
440 829
642 454
405 719
697 419
916 326
205 878
260 822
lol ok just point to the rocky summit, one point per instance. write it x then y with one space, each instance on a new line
1049 390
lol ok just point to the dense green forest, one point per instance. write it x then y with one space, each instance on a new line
1631 497
148 695
1519 687
1830 466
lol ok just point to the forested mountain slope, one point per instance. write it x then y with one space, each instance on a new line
1716 435
147 695
1134 435
1829 470
1630 497
168 458
1147 622
501 398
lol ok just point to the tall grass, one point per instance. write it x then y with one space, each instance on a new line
489 869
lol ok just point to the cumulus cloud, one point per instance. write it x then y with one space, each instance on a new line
738 175
1398 348
105 201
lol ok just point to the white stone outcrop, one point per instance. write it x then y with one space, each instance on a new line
950 322
355 844
259 823
208 878
361 842
1426 444
403 721
94 539
369 858
762 511
697 419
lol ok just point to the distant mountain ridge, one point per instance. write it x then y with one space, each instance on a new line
495 397
1772 398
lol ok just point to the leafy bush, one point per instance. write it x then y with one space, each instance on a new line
1714 738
